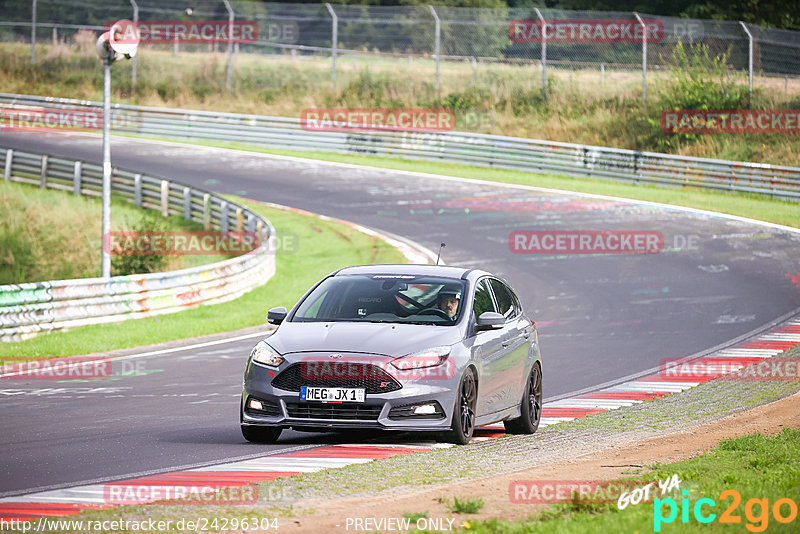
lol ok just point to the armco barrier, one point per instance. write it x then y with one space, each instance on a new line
30 308
456 147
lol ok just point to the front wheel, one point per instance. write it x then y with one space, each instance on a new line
261 434
464 414
531 406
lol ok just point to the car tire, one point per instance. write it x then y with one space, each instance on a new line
463 424
530 406
261 434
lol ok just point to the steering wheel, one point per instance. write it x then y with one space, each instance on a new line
435 311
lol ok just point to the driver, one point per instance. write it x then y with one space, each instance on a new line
448 302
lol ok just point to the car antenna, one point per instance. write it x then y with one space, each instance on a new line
439 254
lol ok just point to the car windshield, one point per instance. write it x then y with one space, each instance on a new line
380 298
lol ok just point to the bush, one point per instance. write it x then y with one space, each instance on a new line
141 264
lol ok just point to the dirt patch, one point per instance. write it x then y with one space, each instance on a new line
331 515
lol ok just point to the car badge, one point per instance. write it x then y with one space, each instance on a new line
336 356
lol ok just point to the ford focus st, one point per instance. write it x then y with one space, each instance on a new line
396 347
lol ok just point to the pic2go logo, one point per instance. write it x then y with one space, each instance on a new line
757 511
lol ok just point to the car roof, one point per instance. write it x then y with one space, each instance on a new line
446 271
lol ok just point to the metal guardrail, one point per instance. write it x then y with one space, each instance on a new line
455 147
30 308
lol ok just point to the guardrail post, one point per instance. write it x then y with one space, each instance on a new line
43 178
644 56
437 42
250 222
260 229
9 160
76 177
334 41
749 58
544 52
223 216
137 190
187 203
239 220
206 212
165 198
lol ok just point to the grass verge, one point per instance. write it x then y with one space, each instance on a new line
55 235
322 246
745 477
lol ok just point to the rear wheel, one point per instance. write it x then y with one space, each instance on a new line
261 434
464 414
531 406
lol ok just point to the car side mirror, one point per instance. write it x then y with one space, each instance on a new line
490 320
276 315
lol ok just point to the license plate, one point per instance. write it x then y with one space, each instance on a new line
331 394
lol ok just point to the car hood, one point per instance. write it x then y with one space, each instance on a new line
371 338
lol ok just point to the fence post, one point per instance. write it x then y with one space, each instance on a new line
9 160
230 44
334 41
544 52
165 198
33 32
133 62
137 190
749 58
206 211
55 34
644 56
223 216
187 203
437 43
43 178
76 178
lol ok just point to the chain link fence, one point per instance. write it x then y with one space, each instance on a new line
433 38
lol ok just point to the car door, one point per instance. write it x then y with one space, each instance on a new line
514 342
489 350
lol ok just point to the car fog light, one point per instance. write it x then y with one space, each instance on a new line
256 404
425 409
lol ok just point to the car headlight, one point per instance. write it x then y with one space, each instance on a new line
263 353
422 359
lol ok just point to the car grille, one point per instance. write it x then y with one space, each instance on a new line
370 377
304 410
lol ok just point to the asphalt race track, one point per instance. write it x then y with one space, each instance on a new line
600 317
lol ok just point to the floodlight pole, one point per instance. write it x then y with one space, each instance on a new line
105 268
544 52
135 22
230 45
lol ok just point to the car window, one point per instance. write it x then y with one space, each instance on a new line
483 299
384 299
505 301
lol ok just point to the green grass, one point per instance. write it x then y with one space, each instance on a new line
498 98
47 234
755 466
465 506
322 246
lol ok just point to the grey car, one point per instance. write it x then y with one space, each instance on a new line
396 347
